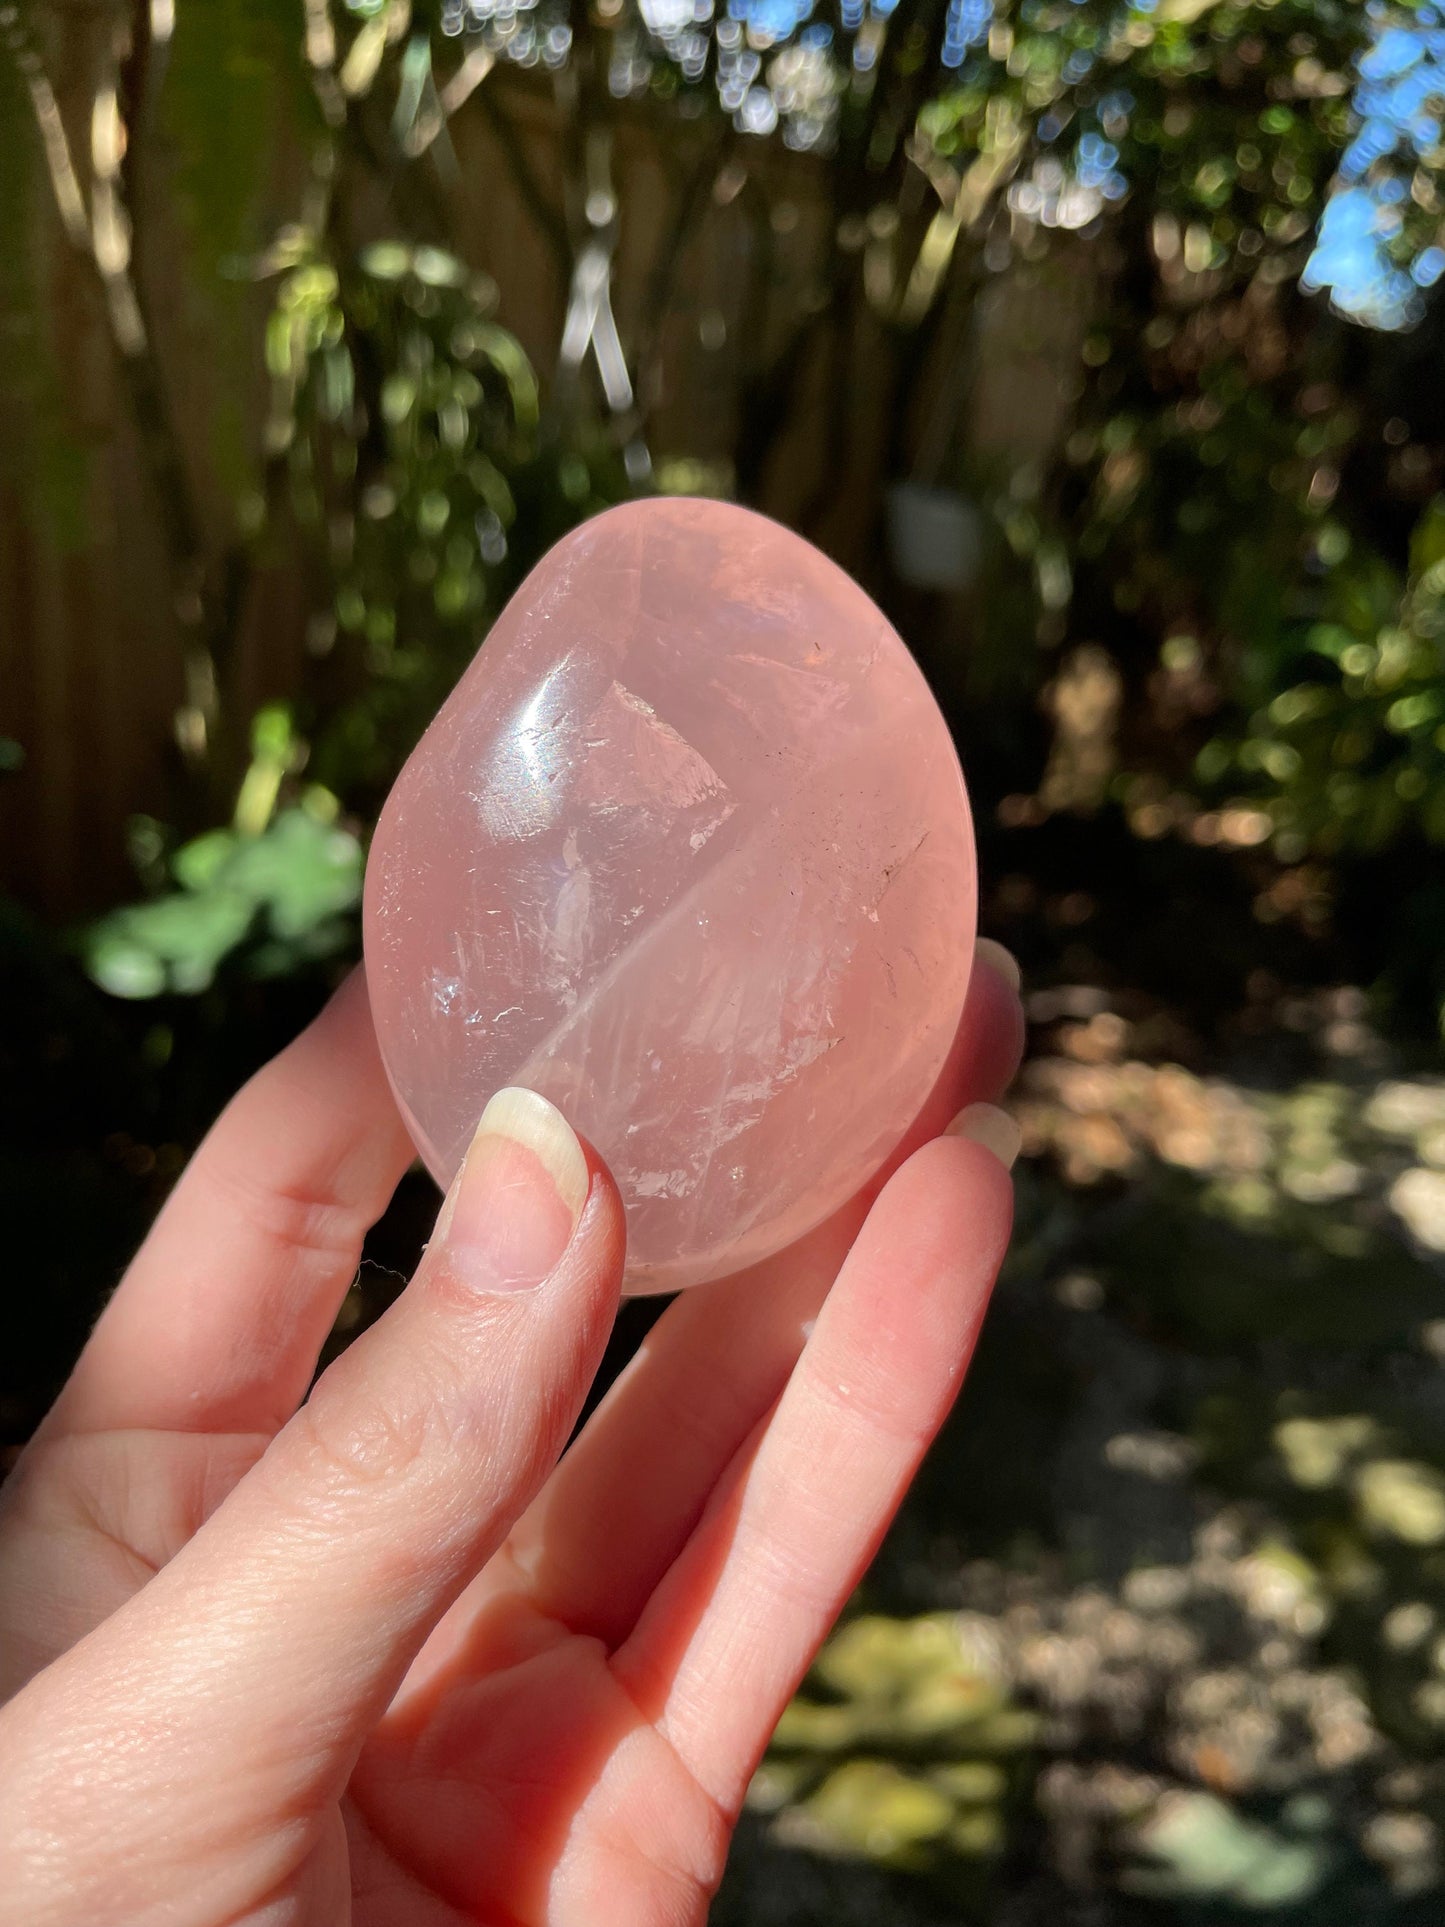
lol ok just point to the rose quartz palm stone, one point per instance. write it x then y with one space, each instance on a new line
688 852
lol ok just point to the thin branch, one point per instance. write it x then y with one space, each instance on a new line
320 47
763 410
667 265
103 234
474 69
154 26
54 143
551 224
971 200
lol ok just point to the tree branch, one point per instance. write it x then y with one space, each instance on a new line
103 233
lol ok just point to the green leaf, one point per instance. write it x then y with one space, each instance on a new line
197 865
286 894
302 872
1197 1847
175 943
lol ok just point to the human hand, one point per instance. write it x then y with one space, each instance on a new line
378 1657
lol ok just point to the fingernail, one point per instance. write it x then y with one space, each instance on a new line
1000 959
994 1129
514 1204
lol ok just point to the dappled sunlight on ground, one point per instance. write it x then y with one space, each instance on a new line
1190 1653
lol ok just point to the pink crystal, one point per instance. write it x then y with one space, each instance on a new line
687 851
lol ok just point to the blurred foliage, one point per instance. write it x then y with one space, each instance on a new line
403 415
1354 752
277 899
1161 1637
1239 507
273 891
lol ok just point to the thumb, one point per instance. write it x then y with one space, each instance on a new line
265 1651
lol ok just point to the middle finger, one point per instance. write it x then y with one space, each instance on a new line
612 1518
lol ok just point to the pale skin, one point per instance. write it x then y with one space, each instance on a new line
371 1653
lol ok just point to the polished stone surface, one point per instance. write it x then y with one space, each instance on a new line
688 852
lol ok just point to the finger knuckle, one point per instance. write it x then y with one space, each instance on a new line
383 1440
307 1220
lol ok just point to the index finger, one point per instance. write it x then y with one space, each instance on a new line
218 1323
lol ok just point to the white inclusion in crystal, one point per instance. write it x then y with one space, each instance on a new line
445 991
661 1184
891 873
799 694
653 765
565 936
743 1104
805 1050
479 1019
569 921
707 831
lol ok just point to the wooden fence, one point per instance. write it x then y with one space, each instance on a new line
91 648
